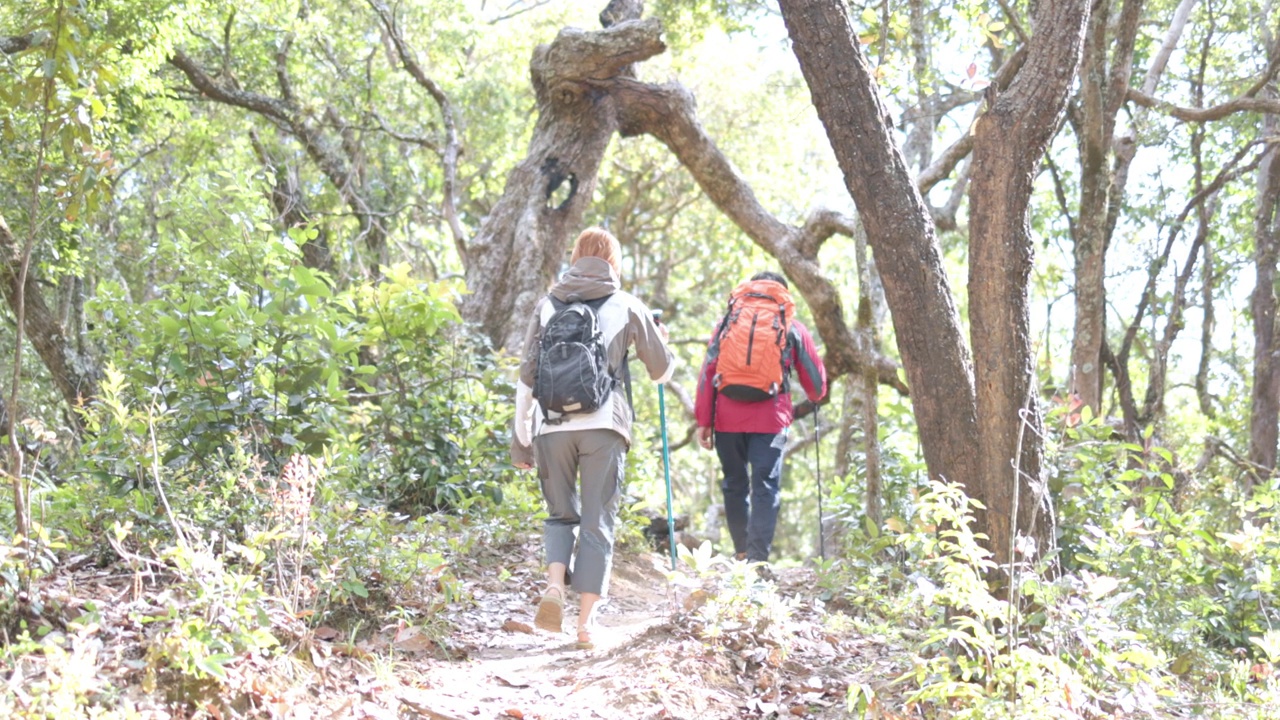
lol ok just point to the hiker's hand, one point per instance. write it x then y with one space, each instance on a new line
704 437
524 465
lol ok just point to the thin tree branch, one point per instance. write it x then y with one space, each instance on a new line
418 140
945 217
518 12
285 114
282 70
1014 22
452 146
821 225
1209 114
1059 191
226 42
274 108
946 163
1229 172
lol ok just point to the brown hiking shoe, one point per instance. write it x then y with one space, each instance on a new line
550 615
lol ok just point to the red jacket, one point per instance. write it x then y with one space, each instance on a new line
768 416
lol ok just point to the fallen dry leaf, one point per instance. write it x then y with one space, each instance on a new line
515 713
696 599
517 626
411 639
511 683
765 680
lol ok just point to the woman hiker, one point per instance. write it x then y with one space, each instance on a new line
580 455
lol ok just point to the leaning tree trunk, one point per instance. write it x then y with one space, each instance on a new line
74 373
900 232
518 249
1010 140
1264 427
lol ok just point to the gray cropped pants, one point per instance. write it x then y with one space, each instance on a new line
581 472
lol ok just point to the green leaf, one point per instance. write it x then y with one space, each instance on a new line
213 665
169 324
355 587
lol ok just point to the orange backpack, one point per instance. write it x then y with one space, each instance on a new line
750 346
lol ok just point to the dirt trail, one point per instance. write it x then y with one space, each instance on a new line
514 670
645 664
655 658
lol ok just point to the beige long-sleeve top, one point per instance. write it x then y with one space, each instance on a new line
625 322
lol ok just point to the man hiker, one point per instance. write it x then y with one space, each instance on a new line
744 403
573 412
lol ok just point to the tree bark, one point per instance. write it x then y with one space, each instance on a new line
900 232
1009 141
518 249
1103 91
1264 408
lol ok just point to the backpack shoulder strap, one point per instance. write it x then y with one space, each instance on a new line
713 349
626 379
597 303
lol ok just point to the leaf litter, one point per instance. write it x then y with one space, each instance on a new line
652 658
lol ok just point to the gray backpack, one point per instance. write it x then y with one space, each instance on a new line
573 368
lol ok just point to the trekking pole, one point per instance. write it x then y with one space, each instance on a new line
666 462
817 471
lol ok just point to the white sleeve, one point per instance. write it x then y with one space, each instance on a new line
524 413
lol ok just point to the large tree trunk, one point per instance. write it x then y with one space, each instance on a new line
521 245
900 232
1010 140
1264 410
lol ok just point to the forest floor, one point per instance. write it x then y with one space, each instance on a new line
480 657
646 663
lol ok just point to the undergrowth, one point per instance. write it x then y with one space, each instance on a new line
1153 608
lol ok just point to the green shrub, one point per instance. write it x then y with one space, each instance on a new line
413 409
